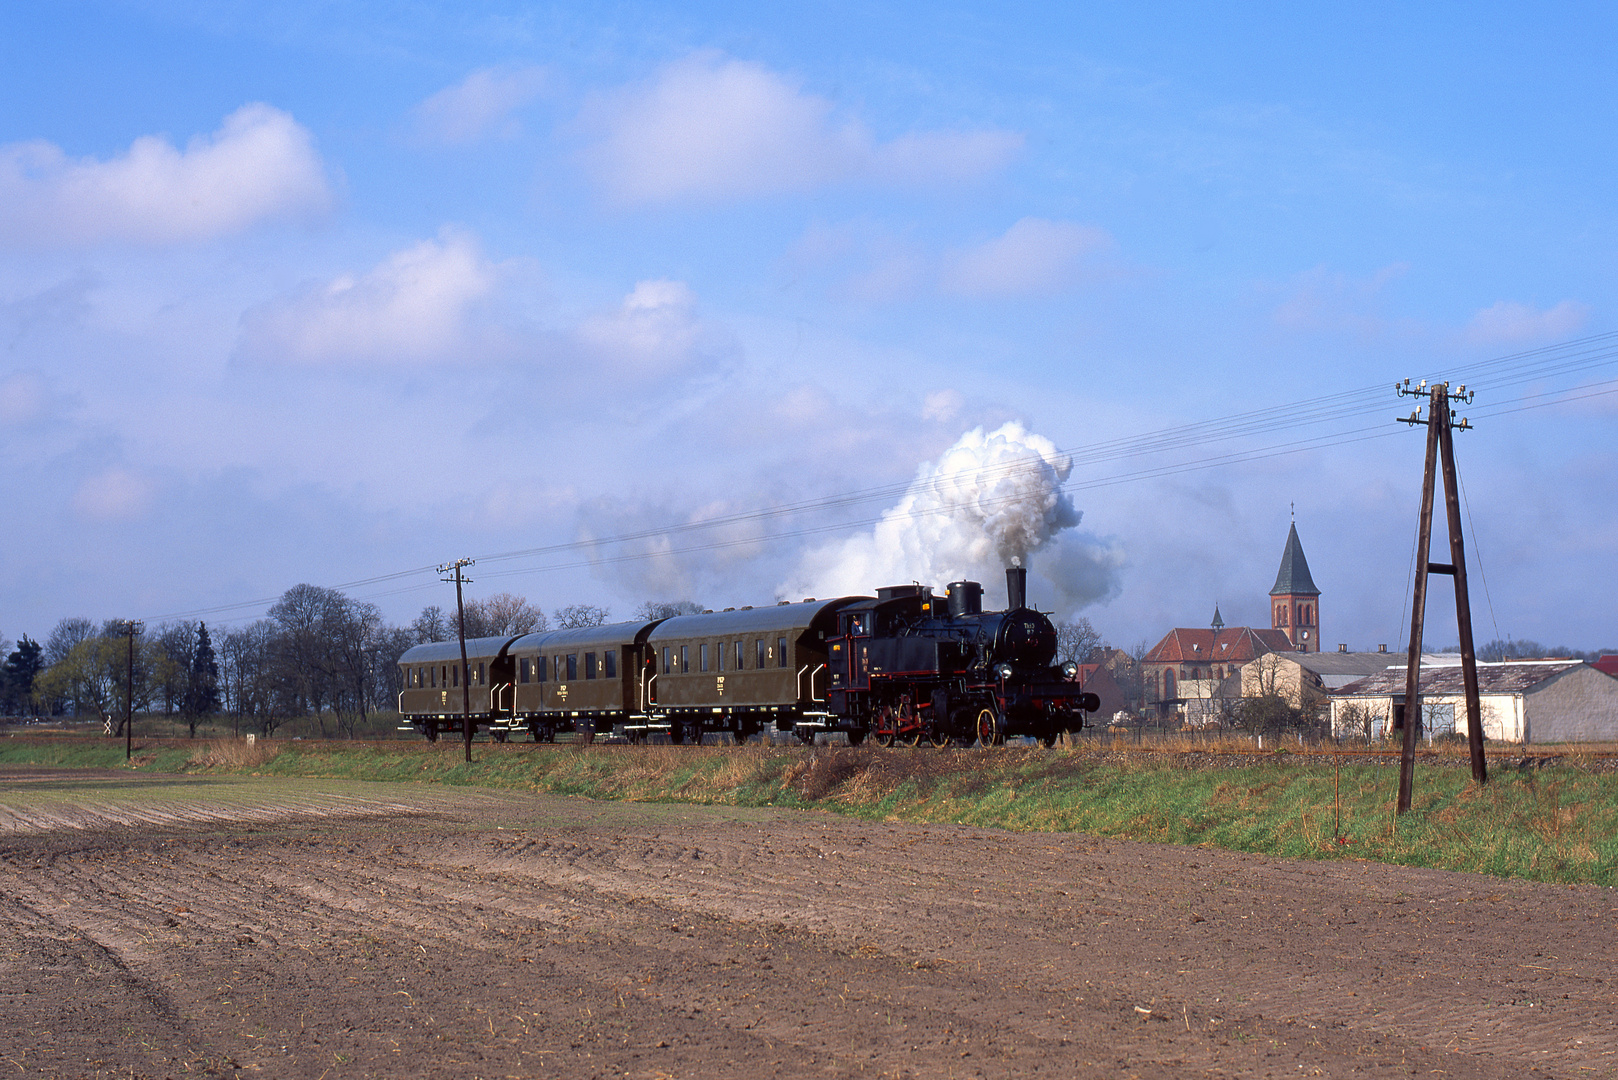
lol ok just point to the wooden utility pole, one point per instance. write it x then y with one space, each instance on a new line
460 630
131 627
1440 445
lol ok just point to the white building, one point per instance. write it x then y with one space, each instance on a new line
1522 701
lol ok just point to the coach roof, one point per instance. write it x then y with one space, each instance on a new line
582 637
779 618
444 652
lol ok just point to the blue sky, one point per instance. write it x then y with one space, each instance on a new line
323 292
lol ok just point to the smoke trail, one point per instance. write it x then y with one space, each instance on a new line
988 499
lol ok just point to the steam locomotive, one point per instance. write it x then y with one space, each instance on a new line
905 666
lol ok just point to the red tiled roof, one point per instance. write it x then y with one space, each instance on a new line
1608 664
1233 645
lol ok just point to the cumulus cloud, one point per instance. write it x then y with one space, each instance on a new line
116 494
711 128
1507 321
414 306
260 165
1034 256
480 104
656 331
992 497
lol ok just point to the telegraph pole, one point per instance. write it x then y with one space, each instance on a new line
460 628
1440 445
131 627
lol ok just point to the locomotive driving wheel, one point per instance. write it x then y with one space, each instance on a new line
991 732
885 730
939 736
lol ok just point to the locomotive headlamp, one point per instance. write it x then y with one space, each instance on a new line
1069 670
1004 671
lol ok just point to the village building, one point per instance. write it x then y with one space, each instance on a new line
1522 701
1194 670
1306 680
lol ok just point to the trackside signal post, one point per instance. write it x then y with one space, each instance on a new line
460 629
1440 426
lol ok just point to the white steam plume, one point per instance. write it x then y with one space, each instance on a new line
988 499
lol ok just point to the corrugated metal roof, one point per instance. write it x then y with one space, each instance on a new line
780 618
1293 578
443 652
580 637
1512 676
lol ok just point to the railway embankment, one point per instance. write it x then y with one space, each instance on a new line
1547 816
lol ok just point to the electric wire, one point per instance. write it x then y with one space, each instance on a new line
1329 410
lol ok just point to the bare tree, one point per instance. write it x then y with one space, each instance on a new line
501 615
1076 641
432 625
67 633
575 616
651 610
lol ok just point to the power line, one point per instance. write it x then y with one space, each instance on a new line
1332 410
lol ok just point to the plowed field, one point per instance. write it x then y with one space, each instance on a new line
165 926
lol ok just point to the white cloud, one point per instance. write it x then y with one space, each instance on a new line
117 494
1507 321
655 330
710 127
261 164
414 306
1034 256
478 104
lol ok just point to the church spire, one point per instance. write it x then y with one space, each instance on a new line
1293 578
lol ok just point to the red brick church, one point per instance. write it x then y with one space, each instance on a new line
1217 652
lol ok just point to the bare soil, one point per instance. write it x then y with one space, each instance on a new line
169 926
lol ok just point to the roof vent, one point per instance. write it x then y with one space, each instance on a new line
747 607
808 599
707 611
782 603
730 609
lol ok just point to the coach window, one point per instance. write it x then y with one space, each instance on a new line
702 657
522 669
760 650
572 666
719 656
539 669
432 677
480 673
665 659
780 652
589 665
612 663
685 659
455 675
740 656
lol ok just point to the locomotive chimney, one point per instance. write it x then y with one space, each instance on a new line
1016 586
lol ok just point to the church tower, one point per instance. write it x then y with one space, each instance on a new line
1295 602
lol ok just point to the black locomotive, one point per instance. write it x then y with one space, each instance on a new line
907 667
904 667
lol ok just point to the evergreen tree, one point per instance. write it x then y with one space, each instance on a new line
17 677
202 686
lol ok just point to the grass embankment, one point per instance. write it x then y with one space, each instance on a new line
1558 823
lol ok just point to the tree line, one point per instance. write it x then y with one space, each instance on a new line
317 653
